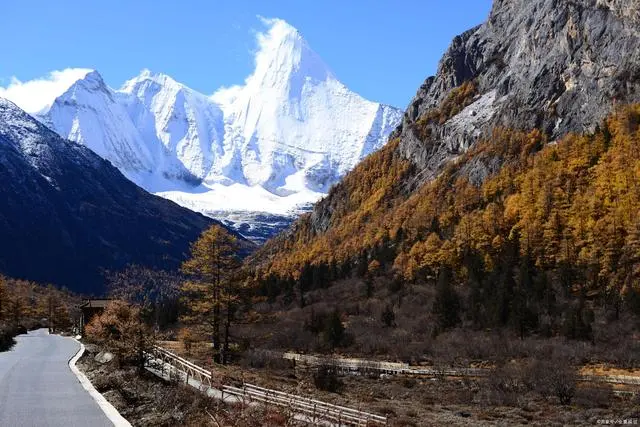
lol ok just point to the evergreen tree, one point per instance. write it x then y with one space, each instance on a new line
305 282
474 266
389 317
363 264
333 329
4 297
523 315
446 305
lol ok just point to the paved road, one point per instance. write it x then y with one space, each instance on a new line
37 388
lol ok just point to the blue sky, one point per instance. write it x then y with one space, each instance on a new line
382 49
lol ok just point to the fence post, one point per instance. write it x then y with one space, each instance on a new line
244 394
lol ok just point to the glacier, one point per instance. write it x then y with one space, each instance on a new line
253 155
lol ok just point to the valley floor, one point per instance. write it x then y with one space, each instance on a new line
406 401
148 401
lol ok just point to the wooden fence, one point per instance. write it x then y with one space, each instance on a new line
309 410
392 368
314 410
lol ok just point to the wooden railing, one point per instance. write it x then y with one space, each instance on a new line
306 409
393 368
314 410
346 364
183 366
611 379
380 367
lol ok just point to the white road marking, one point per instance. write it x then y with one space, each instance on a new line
108 409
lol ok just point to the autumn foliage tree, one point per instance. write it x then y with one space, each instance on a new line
58 317
211 294
28 304
122 330
155 292
520 224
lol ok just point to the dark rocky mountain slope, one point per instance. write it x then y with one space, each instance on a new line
555 65
66 214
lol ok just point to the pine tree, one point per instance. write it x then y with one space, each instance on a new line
388 317
446 305
212 287
305 282
333 329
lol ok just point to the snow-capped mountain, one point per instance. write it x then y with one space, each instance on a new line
272 145
60 202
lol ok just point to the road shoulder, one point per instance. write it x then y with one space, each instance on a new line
108 409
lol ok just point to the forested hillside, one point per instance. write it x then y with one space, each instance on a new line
66 215
556 220
507 198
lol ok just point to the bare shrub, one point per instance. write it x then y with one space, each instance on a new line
264 359
507 385
555 378
326 378
409 382
563 383
600 397
6 337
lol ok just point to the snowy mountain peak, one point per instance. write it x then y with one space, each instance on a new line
90 113
275 143
91 82
7 107
36 96
91 78
283 55
16 125
147 77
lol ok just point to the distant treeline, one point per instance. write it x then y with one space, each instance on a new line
26 305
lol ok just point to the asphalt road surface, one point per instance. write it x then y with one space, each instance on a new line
37 388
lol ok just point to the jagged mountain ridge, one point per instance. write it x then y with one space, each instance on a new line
274 144
67 214
559 66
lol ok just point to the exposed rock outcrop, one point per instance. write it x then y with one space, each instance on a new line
557 65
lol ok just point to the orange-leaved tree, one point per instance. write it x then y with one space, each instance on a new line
211 295
121 330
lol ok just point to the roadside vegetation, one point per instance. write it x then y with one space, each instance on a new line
26 305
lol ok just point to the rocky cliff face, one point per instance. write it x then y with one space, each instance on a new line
557 65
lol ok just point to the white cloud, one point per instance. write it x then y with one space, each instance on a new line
267 40
37 95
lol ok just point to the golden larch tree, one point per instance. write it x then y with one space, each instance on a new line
212 292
